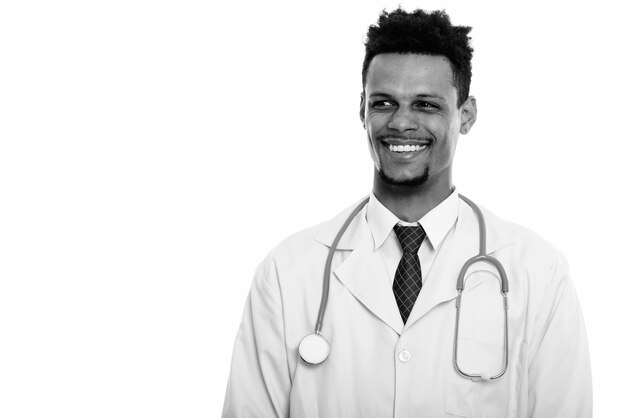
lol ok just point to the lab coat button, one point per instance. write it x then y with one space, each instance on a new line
404 356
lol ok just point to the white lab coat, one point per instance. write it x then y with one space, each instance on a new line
379 367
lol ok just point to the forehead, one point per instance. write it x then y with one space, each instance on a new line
411 74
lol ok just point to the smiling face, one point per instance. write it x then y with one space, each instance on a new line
410 113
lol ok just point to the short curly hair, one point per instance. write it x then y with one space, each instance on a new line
421 32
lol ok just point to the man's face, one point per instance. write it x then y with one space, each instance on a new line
410 113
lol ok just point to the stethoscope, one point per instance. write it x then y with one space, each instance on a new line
314 348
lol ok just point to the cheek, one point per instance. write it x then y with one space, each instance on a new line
375 122
446 141
371 132
446 150
373 148
374 151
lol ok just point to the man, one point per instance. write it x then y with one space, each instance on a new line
390 319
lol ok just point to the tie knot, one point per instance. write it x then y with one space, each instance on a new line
410 237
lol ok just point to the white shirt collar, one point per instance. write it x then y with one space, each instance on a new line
436 223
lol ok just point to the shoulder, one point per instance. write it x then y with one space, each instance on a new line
527 245
303 253
319 236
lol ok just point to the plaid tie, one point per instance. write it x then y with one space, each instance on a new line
408 280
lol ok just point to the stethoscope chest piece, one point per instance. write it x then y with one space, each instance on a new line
314 349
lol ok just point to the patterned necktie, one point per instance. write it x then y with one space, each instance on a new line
408 280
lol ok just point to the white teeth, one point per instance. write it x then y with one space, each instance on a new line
406 148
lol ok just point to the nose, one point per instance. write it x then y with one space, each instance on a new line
402 120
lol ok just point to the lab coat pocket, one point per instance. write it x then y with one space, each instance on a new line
481 351
482 399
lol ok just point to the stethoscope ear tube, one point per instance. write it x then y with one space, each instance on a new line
504 287
505 306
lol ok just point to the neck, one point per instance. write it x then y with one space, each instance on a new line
411 203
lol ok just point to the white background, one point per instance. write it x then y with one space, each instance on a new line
152 153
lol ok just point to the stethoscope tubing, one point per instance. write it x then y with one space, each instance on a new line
329 262
504 289
480 257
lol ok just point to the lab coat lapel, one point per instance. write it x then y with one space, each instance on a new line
440 285
362 272
460 245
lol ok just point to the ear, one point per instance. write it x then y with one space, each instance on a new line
469 112
362 110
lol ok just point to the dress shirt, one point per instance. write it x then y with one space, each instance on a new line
437 223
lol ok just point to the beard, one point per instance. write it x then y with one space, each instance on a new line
410 182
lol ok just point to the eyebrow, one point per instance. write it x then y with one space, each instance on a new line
422 95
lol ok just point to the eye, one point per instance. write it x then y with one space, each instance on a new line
429 106
381 105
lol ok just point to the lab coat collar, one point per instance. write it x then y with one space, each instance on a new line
363 273
498 236
328 230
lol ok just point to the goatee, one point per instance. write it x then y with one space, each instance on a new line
412 182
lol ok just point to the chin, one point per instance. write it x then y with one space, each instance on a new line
404 182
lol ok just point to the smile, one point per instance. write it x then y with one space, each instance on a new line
404 148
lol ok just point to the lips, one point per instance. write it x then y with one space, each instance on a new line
401 145
405 148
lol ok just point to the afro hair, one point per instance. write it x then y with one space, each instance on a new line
421 32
